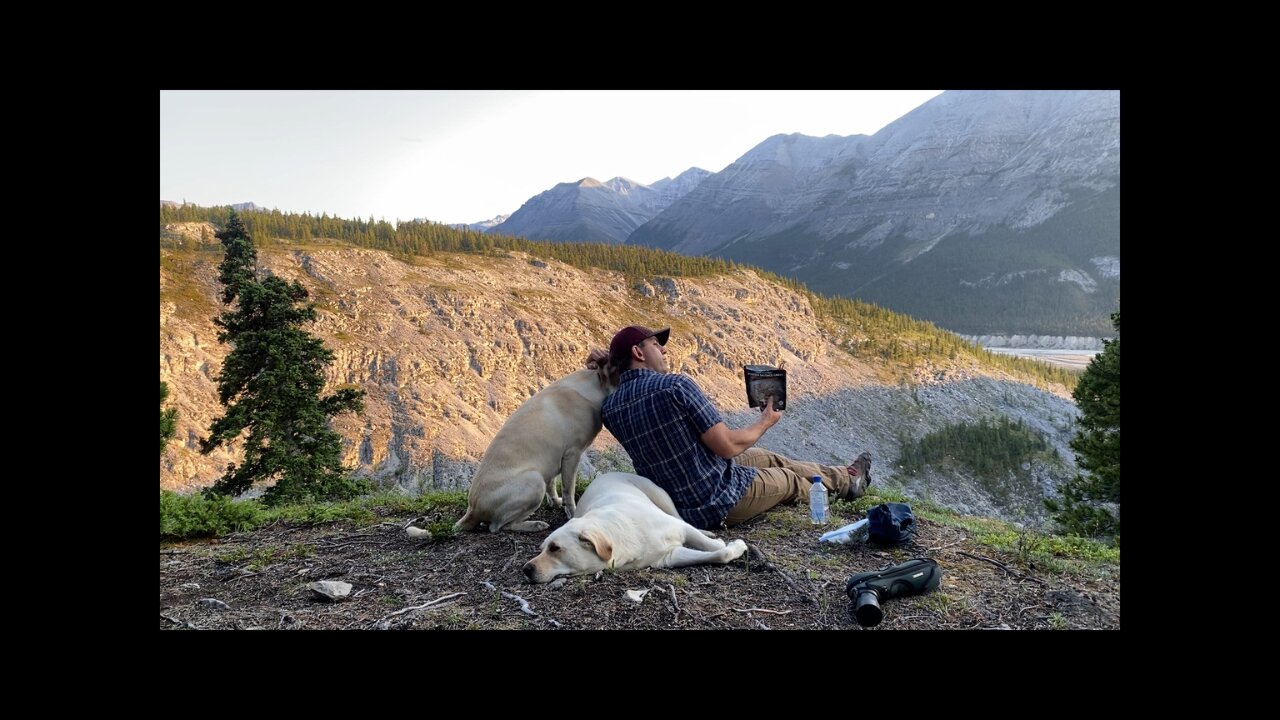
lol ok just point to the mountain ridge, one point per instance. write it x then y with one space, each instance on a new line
1005 182
588 210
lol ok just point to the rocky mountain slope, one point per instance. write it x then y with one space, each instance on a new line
592 211
448 347
987 212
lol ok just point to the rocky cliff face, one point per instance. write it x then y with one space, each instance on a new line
446 349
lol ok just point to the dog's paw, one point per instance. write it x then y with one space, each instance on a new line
555 501
569 511
528 526
735 549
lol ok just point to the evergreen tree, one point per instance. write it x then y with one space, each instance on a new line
168 419
270 385
1087 502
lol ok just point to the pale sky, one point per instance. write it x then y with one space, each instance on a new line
468 155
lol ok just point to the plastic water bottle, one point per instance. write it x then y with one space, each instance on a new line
818 501
850 534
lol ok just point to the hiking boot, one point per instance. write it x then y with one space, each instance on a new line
859 476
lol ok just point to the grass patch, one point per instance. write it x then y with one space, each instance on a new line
300 551
1055 553
262 559
232 557
442 529
181 287
194 516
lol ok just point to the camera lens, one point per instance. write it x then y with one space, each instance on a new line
866 609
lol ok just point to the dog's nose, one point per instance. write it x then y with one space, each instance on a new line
528 569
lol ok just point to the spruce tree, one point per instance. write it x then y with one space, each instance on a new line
168 419
270 385
1090 504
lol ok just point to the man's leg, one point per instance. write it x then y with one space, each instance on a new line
837 479
772 486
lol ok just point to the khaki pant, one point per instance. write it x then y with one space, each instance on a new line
782 480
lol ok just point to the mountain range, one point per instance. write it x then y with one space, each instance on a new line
986 212
592 211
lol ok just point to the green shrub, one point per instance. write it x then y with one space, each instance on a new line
186 516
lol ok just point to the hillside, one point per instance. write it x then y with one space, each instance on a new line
447 346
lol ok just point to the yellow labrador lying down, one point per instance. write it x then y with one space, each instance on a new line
544 438
626 522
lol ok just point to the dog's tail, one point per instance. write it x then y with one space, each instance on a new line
466 522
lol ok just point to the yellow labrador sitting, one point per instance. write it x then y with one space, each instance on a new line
626 522
544 438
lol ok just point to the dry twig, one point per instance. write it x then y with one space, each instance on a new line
755 551
524 604
180 622
1002 566
419 607
354 542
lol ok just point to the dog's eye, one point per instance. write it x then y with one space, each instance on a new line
553 547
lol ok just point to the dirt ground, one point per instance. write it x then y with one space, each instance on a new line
259 580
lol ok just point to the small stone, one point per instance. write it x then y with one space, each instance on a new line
331 590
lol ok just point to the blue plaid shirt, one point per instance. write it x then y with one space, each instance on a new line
659 419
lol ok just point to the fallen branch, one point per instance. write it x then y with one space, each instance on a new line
173 552
1002 566
353 542
370 527
242 573
524 604
997 563
672 589
944 547
763 610
180 622
419 607
755 551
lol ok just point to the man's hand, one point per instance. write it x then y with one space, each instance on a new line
729 444
768 416
596 358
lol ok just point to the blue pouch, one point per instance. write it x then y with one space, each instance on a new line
891 523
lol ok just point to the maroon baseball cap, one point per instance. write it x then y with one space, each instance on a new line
632 335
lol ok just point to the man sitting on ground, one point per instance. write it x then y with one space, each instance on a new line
677 438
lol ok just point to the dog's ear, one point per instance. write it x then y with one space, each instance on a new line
603 374
596 540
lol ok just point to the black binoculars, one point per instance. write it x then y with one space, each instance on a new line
868 589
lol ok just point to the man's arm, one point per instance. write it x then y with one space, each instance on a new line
729 444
